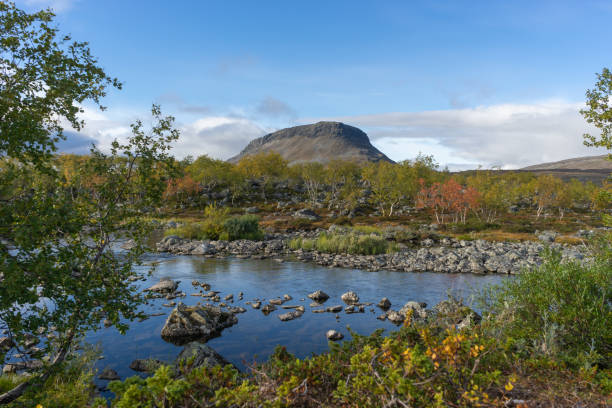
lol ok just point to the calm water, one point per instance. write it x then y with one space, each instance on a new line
256 335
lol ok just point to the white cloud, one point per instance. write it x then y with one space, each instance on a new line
507 135
218 136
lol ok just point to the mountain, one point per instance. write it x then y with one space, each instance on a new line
320 142
578 163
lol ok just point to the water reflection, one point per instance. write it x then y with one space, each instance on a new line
255 336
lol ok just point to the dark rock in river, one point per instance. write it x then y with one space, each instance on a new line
196 322
319 296
109 374
384 304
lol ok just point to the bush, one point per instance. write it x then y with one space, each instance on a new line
243 227
562 310
230 229
473 225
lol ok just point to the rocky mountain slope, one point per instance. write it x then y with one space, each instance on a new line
320 142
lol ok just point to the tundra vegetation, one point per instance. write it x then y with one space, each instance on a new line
544 338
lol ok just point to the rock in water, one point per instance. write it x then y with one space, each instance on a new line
319 296
334 335
294 314
384 304
109 374
164 286
187 323
350 298
197 355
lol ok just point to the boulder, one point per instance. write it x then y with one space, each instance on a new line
165 285
294 314
109 374
395 317
350 298
334 335
187 323
547 236
384 304
334 309
417 309
307 213
196 354
453 313
319 296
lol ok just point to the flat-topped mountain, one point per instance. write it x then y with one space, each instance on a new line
578 163
318 142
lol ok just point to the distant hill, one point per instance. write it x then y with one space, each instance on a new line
578 163
318 142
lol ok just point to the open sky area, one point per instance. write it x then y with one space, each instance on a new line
491 83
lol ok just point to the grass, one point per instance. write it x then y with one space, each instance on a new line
348 243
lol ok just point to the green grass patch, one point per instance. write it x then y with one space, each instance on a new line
349 243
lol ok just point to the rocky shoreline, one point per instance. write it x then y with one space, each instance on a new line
447 256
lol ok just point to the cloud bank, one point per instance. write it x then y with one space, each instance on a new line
506 135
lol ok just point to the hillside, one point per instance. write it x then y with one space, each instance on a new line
320 142
578 163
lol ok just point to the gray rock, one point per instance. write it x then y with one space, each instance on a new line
307 213
395 317
417 309
547 236
164 286
196 322
350 298
334 309
256 305
319 296
334 335
294 314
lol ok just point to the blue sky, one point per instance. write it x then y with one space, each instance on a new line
471 82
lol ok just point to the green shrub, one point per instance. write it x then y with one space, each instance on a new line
349 243
472 225
70 386
243 227
562 310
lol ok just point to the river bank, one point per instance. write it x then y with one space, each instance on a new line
449 255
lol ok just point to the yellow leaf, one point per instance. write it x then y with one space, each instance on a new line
509 386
